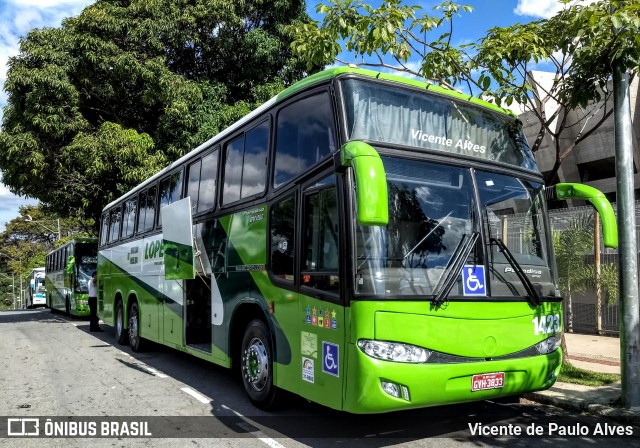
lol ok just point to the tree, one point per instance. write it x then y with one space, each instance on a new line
575 276
24 244
115 94
580 42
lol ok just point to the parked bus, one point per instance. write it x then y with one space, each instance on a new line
34 293
368 242
68 271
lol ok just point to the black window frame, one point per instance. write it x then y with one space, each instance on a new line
222 164
322 90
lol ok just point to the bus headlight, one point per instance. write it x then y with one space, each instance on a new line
550 344
394 351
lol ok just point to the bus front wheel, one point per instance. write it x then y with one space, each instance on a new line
121 334
257 365
135 341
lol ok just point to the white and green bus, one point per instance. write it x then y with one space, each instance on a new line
68 270
366 241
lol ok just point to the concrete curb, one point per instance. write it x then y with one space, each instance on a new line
620 415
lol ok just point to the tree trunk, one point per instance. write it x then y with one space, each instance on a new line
565 352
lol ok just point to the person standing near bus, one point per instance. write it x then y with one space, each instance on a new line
93 303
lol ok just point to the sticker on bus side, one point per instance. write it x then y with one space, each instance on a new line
330 358
307 370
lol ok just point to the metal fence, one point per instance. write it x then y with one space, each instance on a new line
584 313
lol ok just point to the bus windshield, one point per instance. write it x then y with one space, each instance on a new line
87 264
432 208
389 114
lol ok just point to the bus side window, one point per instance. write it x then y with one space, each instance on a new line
282 224
245 164
170 191
321 241
208 175
193 184
114 223
129 218
146 209
104 230
305 136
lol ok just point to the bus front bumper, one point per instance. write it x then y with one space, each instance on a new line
423 385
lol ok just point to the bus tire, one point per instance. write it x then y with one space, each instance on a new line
135 341
256 365
122 337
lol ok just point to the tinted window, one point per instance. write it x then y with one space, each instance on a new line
147 209
104 230
193 182
245 164
282 221
114 224
129 219
233 170
170 191
208 174
305 135
321 240
255 160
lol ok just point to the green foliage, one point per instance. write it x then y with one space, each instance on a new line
114 94
571 245
393 29
25 243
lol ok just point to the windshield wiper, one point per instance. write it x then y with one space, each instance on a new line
452 270
533 297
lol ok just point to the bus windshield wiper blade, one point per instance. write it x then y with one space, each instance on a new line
533 296
451 272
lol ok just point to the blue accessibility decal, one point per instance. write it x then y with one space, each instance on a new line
330 358
473 279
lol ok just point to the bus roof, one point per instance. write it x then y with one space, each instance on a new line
310 81
334 72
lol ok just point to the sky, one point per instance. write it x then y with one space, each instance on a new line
17 17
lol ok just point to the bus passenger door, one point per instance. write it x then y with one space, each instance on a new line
177 248
322 350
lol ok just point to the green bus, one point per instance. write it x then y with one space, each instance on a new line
67 272
366 241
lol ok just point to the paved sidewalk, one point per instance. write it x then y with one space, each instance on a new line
598 354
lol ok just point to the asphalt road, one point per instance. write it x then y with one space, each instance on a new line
51 366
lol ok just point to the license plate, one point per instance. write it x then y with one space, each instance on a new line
487 381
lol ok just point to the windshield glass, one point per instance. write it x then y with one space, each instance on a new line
513 211
88 263
394 114
432 211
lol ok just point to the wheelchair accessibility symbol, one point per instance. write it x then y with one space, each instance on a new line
474 281
330 358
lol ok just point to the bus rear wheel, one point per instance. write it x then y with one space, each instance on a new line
121 334
135 341
256 365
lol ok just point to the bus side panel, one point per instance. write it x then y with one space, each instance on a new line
128 272
308 333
